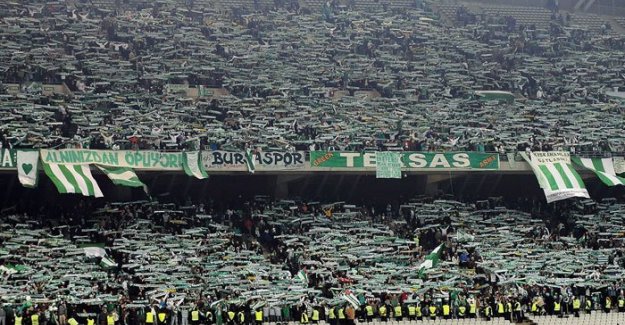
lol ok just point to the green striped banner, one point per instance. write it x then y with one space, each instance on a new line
556 175
603 168
122 176
73 179
193 166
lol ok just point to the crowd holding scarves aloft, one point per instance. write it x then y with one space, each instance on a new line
187 259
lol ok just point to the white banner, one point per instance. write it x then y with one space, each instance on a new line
271 160
27 164
619 165
114 158
555 175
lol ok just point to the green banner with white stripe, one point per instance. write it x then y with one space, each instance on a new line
603 168
556 175
122 176
192 165
73 179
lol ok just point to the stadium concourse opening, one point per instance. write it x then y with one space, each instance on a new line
358 188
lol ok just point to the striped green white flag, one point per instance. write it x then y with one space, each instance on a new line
250 161
192 164
73 179
107 263
351 298
123 176
432 259
603 168
556 175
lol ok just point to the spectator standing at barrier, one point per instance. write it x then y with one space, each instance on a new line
286 313
3 316
273 314
350 314
62 312
102 316
266 312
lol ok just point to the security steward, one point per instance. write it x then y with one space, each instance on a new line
487 312
369 313
397 312
576 306
195 317
383 313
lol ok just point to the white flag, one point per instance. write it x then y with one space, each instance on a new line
27 164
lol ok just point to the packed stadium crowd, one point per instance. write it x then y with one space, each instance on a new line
290 260
170 77
328 78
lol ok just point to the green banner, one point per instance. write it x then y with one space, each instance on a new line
114 158
455 160
7 158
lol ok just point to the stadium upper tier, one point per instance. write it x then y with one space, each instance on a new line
171 76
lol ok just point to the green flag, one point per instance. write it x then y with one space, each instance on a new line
192 164
73 179
603 168
123 176
250 162
432 259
